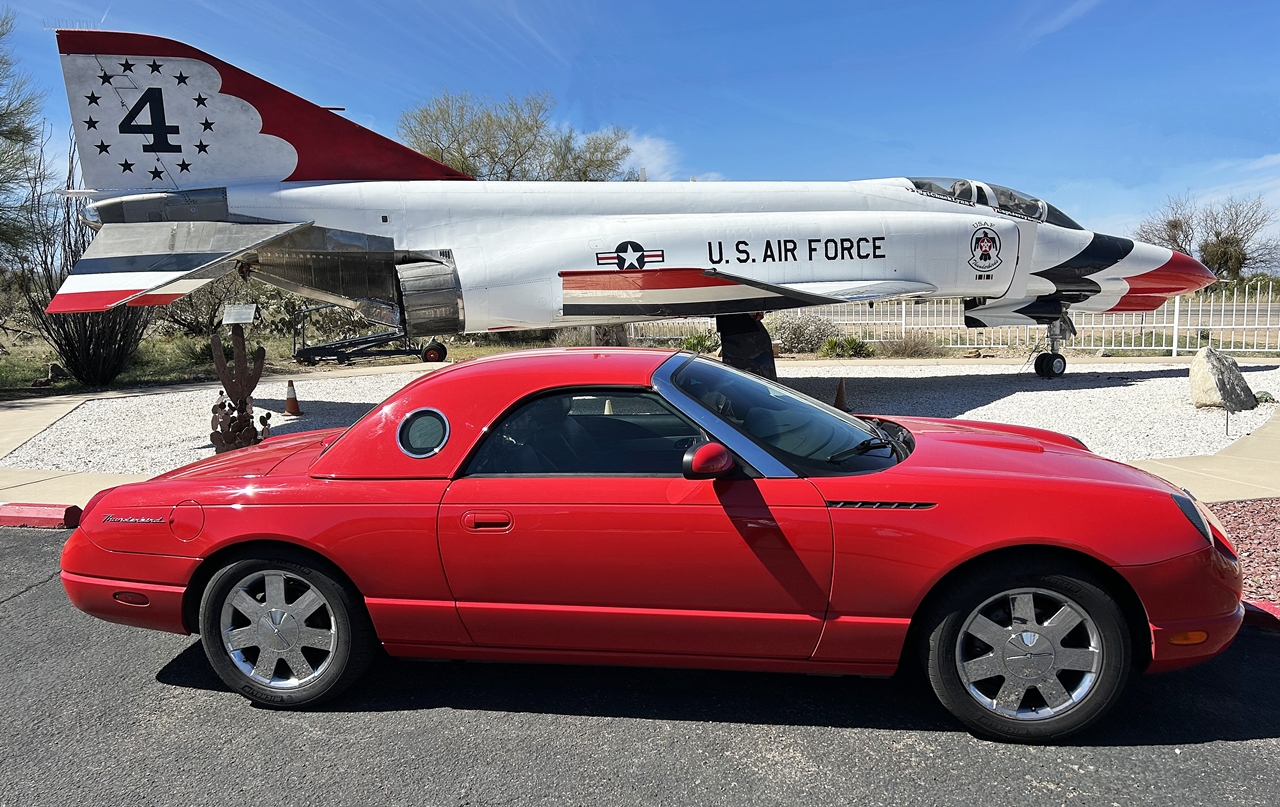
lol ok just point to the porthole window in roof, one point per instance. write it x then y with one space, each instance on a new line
423 433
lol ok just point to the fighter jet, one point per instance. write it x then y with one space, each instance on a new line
196 168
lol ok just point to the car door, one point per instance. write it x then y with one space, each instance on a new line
572 527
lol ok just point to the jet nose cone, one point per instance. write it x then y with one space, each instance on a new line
1170 277
1181 274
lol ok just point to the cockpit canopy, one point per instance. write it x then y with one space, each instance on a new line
997 196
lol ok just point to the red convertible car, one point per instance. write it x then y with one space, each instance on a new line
649 507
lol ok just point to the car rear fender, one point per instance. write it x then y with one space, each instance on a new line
262 547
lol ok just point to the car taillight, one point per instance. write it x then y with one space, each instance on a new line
88 508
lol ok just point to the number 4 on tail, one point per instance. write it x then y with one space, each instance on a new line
153 100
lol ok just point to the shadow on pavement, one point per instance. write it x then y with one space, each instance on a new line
1234 697
950 396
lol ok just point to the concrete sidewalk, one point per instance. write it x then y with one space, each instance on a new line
1247 469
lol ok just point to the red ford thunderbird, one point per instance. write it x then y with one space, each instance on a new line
651 507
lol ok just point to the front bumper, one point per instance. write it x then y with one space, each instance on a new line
1192 594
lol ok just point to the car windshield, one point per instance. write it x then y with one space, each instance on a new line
811 438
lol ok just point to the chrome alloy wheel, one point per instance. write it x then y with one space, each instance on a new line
278 629
1029 654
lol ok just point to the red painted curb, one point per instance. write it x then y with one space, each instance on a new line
1264 615
57 516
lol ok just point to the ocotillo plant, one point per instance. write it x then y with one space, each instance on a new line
233 419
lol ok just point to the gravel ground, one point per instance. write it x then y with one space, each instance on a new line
1121 411
154 433
1254 527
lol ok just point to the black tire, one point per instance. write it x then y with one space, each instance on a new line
434 352
1041 359
1024 656
1056 366
278 657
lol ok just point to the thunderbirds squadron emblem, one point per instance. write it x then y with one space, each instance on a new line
985 247
629 255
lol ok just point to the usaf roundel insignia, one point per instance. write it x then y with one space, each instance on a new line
985 246
629 255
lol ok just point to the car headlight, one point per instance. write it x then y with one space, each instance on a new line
1187 505
1206 523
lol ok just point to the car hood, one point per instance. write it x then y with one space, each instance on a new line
258 460
945 445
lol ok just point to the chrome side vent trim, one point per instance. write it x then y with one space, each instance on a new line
884 505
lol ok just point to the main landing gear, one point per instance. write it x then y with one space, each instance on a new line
1053 364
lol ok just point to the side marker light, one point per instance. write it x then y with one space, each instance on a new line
1189 637
131 598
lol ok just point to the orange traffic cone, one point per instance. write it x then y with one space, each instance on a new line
291 401
840 401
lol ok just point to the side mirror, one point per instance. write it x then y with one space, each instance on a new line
707 461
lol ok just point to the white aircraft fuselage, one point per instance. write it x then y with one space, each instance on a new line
200 168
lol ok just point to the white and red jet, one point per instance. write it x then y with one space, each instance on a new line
197 168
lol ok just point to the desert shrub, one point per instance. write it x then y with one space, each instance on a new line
278 310
911 347
704 342
93 348
801 331
846 347
573 337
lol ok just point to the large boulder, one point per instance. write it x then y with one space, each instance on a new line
1216 381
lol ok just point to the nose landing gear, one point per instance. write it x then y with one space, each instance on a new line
1050 365
1053 364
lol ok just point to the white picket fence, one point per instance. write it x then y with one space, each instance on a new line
1241 320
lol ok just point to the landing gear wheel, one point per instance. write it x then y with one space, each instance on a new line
1041 360
434 351
283 633
1056 365
1027 655
1050 365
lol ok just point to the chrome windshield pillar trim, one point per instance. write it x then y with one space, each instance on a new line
734 440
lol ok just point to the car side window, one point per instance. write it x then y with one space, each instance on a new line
588 432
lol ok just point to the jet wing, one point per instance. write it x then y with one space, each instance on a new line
699 292
154 263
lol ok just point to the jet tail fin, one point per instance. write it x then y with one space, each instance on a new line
157 114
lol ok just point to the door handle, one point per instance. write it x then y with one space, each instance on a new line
487 520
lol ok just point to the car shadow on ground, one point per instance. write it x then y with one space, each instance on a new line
951 396
315 415
1233 697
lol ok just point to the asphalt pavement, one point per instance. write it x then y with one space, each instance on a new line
95 713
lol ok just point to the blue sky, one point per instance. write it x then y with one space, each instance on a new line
1103 107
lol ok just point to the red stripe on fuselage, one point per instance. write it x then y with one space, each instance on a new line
641 280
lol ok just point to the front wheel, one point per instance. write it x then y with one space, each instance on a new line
1024 656
283 633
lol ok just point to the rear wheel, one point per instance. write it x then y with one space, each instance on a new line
1028 655
282 632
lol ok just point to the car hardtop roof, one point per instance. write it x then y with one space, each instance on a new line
626 365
